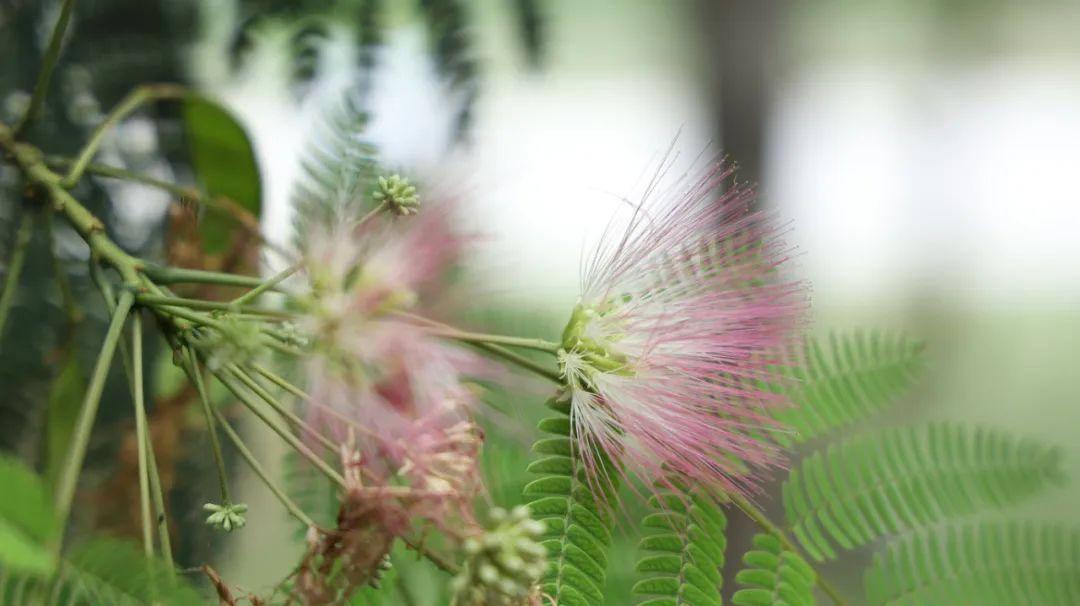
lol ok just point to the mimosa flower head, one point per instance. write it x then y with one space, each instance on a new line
379 372
679 324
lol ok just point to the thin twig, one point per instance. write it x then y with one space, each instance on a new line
268 284
195 375
52 53
15 265
290 417
282 496
289 438
141 94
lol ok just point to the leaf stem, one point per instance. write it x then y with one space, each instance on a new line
69 473
52 53
14 270
765 524
137 97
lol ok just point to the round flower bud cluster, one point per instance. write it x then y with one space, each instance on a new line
504 563
227 517
398 194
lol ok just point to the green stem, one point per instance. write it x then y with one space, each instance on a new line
765 524
449 332
137 97
522 342
69 473
18 258
155 481
292 507
521 361
303 395
52 53
162 517
178 275
290 417
381 206
267 285
221 204
142 435
195 374
29 161
289 438
159 301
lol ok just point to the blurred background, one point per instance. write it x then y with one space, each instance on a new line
922 153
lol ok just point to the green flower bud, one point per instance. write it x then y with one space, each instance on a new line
398 194
226 517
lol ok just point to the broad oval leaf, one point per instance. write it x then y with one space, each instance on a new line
27 524
225 167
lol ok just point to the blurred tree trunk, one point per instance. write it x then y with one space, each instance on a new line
740 47
740 50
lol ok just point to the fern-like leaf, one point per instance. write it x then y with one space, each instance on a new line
774 576
338 170
984 564
686 551
895 480
852 377
577 520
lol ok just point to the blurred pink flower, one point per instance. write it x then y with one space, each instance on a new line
380 377
679 325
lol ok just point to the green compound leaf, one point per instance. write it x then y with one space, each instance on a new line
988 564
338 169
895 480
774 576
576 519
853 377
685 551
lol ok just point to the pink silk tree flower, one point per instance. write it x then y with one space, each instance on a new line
680 325
382 377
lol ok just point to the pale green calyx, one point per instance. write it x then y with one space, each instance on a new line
398 194
227 517
582 355
503 564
